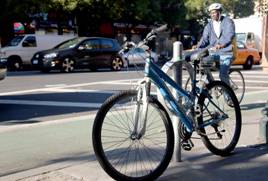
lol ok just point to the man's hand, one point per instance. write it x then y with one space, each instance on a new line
194 47
218 46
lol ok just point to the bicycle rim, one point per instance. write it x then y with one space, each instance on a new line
222 136
237 83
123 157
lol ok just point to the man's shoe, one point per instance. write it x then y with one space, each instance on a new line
228 100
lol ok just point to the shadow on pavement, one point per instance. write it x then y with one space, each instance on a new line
41 105
247 163
252 106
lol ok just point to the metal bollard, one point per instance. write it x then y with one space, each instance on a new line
177 75
263 126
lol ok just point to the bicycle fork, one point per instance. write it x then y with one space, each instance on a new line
140 116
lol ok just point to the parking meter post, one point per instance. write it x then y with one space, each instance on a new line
264 124
177 75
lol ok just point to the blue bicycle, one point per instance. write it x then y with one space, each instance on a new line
133 137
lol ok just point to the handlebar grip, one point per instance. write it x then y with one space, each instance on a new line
161 28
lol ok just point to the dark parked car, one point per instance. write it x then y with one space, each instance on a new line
82 52
3 71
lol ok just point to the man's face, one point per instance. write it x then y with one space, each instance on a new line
215 15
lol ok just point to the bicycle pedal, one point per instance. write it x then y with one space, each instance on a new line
187 145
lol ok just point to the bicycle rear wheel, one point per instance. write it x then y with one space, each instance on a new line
123 156
237 83
220 118
187 75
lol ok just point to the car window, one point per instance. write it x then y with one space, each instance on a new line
105 44
68 44
240 45
241 37
91 44
15 41
30 41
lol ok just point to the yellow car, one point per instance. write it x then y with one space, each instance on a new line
246 56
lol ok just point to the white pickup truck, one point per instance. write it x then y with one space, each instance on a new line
21 48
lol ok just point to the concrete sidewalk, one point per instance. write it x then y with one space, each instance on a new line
248 162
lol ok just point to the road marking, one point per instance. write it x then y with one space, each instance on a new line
55 85
255 72
49 89
51 103
257 92
256 87
82 90
74 104
7 127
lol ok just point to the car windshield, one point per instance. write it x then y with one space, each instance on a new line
240 44
69 43
15 41
241 37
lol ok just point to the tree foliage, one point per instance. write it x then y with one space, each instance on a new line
89 13
197 9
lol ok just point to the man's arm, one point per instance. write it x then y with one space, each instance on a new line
204 41
228 33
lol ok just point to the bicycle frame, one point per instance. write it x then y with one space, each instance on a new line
154 73
160 79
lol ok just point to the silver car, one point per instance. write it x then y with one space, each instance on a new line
136 56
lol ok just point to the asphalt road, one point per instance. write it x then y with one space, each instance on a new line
47 118
27 97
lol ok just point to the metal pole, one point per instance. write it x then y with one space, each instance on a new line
177 75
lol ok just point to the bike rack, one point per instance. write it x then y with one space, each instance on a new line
177 76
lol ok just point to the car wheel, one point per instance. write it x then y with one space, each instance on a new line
14 63
117 63
248 64
67 65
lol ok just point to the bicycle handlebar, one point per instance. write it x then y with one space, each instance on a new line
150 36
161 28
154 32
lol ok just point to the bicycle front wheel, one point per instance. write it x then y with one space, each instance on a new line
124 156
220 118
237 83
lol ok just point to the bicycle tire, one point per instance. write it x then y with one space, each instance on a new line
187 74
237 83
216 135
120 154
